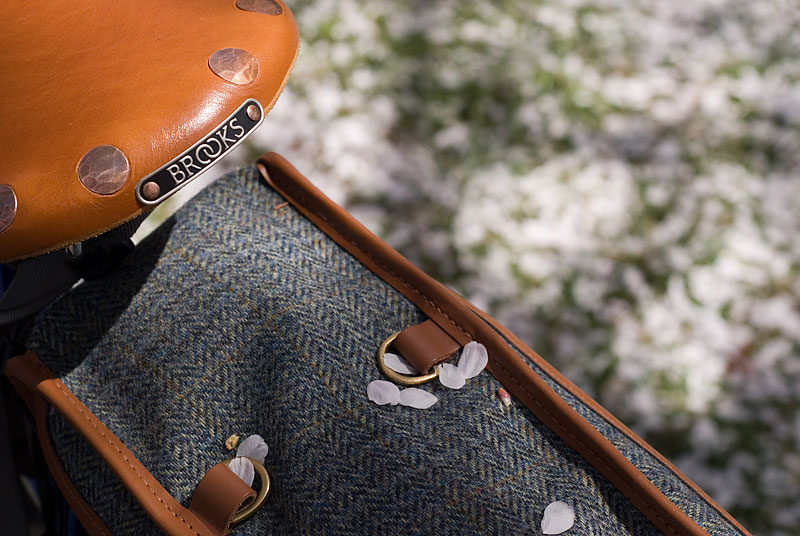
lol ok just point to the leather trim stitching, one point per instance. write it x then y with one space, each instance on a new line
77 499
583 445
305 202
71 400
302 199
39 406
610 422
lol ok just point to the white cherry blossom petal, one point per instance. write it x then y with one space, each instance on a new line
473 359
398 364
243 468
417 398
253 447
558 517
382 392
450 376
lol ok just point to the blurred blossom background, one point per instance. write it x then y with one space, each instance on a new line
614 180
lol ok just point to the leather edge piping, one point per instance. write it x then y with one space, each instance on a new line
32 375
585 399
544 402
87 517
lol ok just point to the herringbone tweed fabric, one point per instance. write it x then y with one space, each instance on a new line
239 317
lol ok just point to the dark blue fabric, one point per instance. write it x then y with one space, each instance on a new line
662 476
6 275
239 317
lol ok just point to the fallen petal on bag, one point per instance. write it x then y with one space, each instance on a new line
398 364
382 392
473 360
417 398
450 376
243 468
558 517
253 447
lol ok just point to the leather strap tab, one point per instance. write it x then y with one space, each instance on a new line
425 345
218 496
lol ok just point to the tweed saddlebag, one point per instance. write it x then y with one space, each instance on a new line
258 309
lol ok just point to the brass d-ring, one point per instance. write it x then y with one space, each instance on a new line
396 377
250 508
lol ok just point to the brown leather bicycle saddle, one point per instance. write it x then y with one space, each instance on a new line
109 108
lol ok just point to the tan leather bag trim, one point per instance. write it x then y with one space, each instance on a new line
218 496
425 345
165 511
87 517
603 412
451 313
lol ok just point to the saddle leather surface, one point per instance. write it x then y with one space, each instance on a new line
132 75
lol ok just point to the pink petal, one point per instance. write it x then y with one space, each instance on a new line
243 468
417 398
504 397
558 517
451 376
473 359
382 392
398 364
253 447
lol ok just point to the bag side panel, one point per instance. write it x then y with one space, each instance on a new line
240 317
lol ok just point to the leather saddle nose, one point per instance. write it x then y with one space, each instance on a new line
110 107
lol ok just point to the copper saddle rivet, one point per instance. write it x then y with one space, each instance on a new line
254 112
151 191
